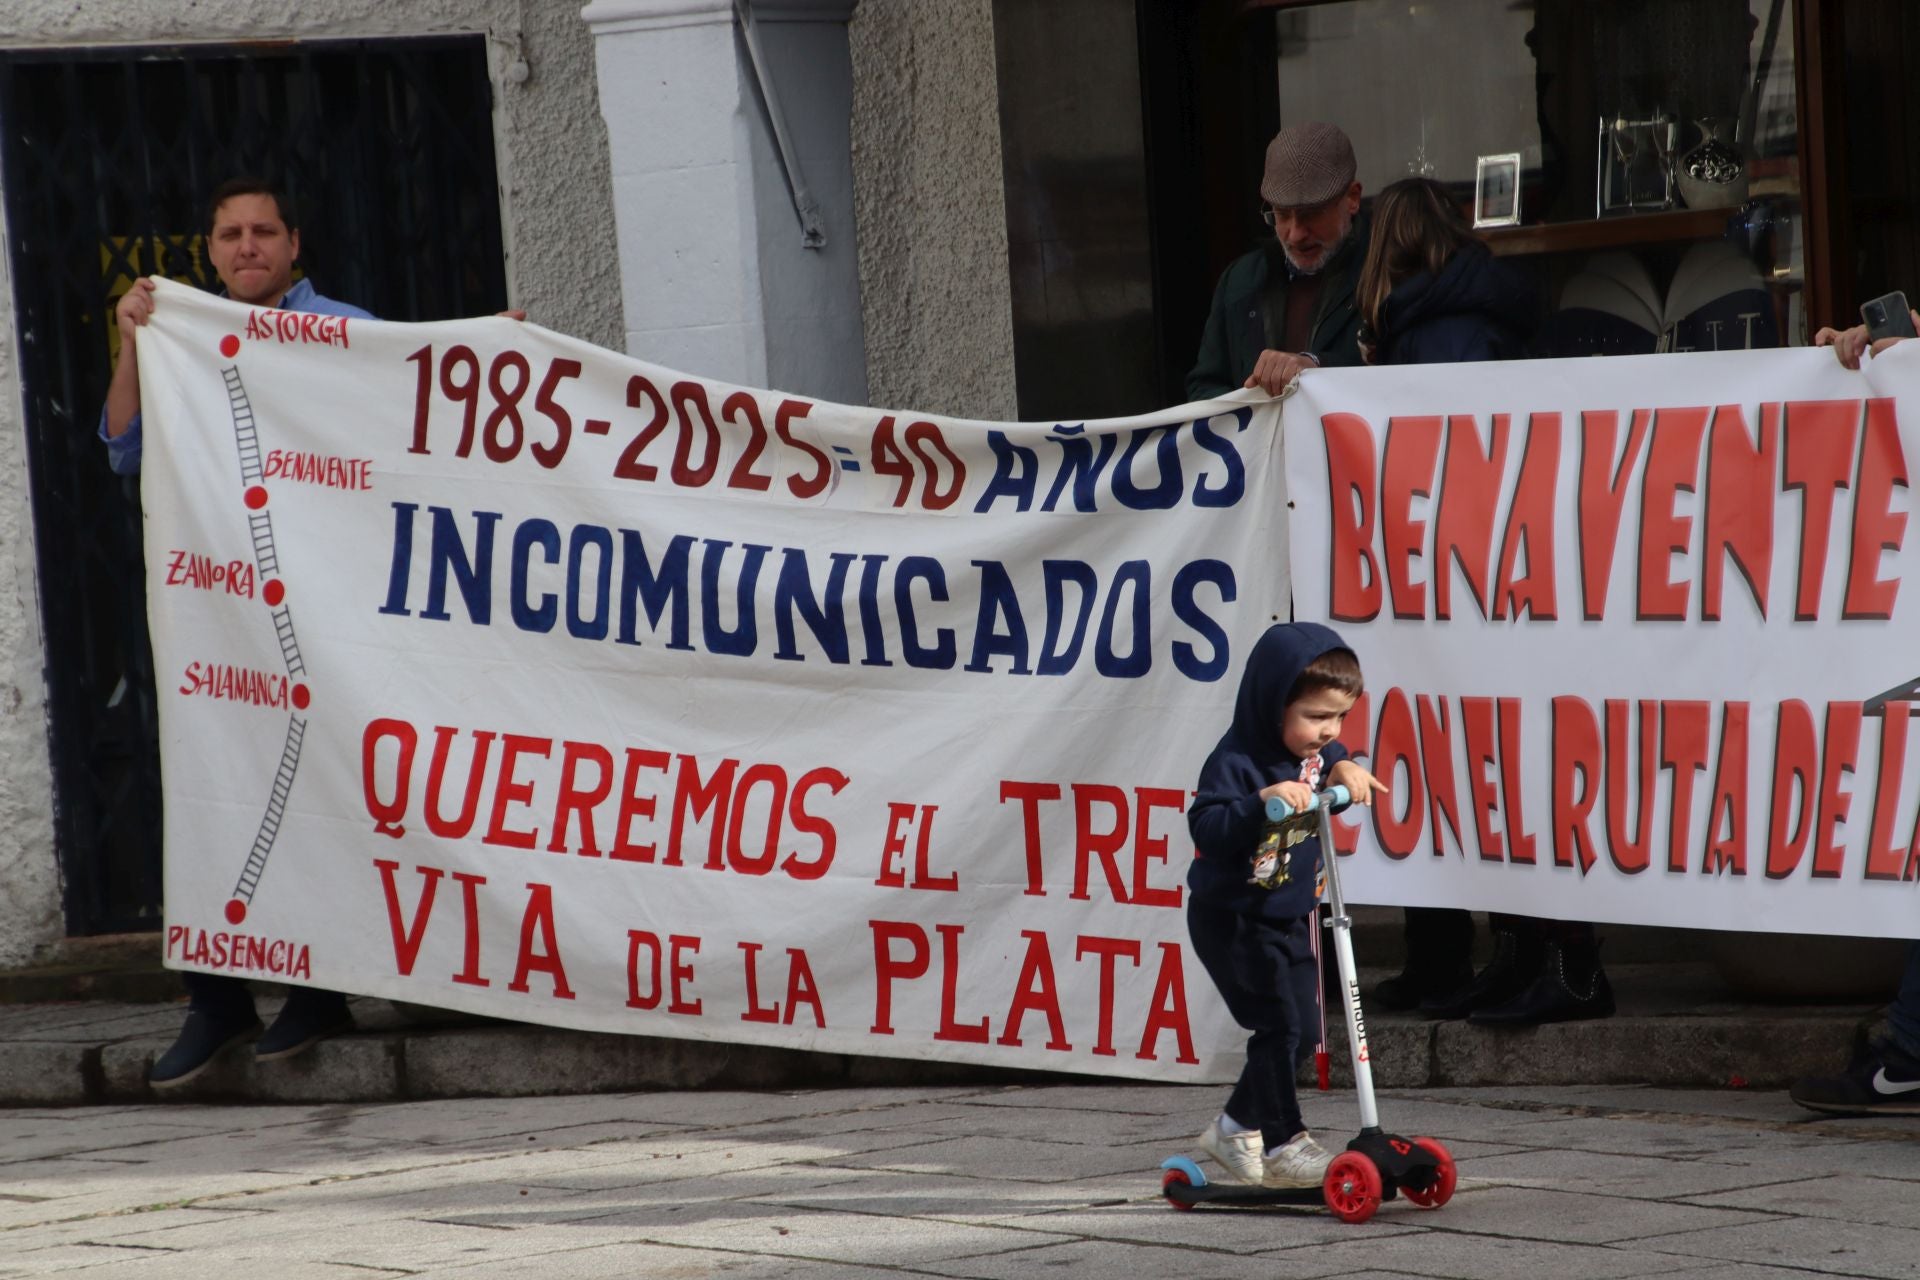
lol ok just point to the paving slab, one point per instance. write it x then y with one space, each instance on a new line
1453 1254
1812 1244
957 1197
1836 1153
1887 1202
1568 1183
1576 1215
1106 1260
823 1236
603 1192
1002 1159
1637 1177
657 1262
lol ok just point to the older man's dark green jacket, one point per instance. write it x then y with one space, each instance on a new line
1248 313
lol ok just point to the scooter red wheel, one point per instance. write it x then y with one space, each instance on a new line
1352 1187
1168 1181
1445 1177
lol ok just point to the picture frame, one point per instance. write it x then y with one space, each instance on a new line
1496 191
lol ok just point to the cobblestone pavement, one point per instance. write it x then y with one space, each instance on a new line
978 1181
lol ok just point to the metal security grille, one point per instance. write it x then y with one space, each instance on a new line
106 159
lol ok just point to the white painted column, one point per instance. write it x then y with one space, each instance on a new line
713 273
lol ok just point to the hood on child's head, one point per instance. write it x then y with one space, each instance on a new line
1276 662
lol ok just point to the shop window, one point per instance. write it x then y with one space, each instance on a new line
1658 144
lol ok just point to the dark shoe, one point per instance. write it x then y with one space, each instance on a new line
1884 1081
308 1018
202 1039
1414 985
1571 987
1515 962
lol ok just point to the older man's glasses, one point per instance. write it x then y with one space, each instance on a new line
1274 217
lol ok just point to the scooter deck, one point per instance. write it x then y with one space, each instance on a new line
1185 1184
1240 1196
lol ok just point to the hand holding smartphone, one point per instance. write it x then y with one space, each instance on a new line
1888 316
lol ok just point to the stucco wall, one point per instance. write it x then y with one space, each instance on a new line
931 206
557 216
30 911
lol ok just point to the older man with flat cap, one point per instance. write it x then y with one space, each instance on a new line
1288 305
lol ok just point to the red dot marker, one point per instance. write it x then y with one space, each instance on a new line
302 696
256 497
236 911
274 592
230 346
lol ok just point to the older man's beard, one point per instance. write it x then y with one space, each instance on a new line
1326 255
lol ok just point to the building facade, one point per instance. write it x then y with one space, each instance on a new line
681 243
980 208
68 850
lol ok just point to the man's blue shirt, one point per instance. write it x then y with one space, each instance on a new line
123 451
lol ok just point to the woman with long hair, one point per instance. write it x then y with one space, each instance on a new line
1430 292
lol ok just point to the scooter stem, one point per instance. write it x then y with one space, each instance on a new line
1342 925
1338 797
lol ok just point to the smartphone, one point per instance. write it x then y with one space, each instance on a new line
1888 317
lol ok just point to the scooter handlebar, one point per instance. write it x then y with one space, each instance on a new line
1333 799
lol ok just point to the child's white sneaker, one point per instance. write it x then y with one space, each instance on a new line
1238 1153
1301 1162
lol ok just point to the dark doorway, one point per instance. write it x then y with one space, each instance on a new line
1131 133
386 149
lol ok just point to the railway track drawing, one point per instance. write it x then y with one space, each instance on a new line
273 592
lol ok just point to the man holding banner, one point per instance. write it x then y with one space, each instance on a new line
253 241
1288 305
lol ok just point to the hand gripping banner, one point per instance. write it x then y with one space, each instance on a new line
503 673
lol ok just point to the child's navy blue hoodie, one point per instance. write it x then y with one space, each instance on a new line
1227 815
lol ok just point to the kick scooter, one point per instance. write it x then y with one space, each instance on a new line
1376 1166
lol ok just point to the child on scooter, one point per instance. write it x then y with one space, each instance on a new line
1250 909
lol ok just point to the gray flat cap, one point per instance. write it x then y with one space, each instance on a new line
1307 164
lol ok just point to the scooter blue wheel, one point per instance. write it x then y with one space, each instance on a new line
1195 1175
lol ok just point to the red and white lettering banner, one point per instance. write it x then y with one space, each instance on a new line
1640 634
503 673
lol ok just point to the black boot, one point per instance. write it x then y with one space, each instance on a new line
309 1016
203 1038
1570 987
1413 987
1516 960
1439 944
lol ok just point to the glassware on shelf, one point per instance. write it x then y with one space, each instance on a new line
1634 176
1666 144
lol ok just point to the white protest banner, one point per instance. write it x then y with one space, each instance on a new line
506 674
1636 632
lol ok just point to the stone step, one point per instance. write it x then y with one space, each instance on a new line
122 968
1676 1026
1377 940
